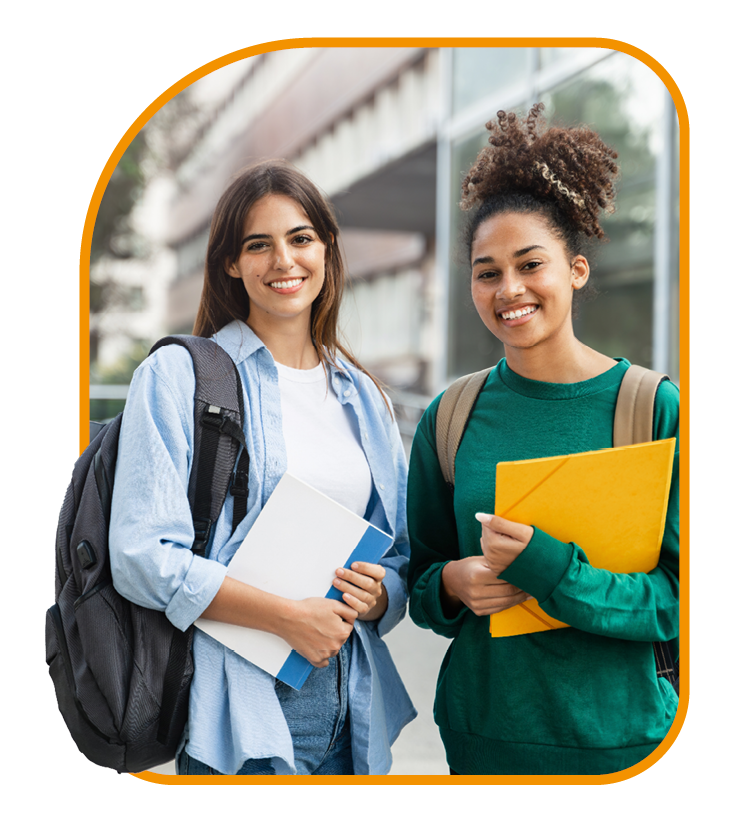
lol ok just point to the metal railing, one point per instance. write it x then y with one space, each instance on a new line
108 391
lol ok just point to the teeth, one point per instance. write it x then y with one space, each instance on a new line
289 283
517 314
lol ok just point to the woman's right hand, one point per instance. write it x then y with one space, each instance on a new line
471 582
318 628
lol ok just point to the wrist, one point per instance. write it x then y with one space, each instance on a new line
448 595
379 608
285 615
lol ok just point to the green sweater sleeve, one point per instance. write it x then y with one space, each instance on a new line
635 606
432 532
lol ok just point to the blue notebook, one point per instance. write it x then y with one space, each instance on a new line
292 550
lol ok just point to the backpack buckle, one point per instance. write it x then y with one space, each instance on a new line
202 531
212 418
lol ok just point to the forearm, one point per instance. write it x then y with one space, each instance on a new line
246 606
314 627
632 606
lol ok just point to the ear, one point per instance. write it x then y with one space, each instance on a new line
580 272
232 270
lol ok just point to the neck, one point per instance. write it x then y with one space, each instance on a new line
564 361
288 342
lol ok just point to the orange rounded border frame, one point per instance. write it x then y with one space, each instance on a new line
437 42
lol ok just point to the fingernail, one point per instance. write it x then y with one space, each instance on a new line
484 518
354 566
340 571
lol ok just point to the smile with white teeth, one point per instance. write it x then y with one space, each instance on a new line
285 283
516 314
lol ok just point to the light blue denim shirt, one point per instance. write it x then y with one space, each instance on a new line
234 712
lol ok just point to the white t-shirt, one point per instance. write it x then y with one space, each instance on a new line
322 439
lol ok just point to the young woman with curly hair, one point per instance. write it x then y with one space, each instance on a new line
583 699
273 283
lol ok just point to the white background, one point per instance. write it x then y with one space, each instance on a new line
75 77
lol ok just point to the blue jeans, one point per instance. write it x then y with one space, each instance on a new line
317 717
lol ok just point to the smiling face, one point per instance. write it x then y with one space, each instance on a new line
523 281
282 262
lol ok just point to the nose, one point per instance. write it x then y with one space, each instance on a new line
283 258
511 286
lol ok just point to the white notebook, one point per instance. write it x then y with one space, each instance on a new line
292 550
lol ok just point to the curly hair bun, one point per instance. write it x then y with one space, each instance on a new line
571 167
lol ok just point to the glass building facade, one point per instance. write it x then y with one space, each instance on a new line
636 272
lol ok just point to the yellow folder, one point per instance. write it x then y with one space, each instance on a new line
612 503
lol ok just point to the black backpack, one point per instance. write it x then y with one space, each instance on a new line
122 672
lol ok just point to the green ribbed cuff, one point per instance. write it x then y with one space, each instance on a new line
539 568
426 605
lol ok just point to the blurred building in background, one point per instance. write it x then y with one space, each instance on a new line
388 134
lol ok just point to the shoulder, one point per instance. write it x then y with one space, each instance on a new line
164 378
666 410
171 362
483 381
668 394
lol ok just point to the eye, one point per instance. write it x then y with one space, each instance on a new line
256 246
487 275
302 239
531 266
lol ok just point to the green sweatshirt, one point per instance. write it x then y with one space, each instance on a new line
578 700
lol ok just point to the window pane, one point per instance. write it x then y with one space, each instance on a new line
551 56
471 345
478 72
622 99
674 341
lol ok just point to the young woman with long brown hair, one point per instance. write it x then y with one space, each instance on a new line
584 699
273 284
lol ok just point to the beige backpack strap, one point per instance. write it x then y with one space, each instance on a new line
453 412
634 408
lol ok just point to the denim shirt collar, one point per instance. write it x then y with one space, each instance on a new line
241 342
238 340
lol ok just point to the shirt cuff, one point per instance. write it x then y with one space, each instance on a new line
540 567
193 596
396 603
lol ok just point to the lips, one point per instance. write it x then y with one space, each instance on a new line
518 312
286 286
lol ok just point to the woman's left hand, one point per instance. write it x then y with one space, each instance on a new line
362 589
502 540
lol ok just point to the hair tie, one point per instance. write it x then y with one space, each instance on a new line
546 172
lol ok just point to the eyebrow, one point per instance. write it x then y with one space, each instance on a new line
516 255
287 233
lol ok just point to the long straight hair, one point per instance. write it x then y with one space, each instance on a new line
224 298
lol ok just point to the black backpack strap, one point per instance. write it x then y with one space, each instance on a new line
218 410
